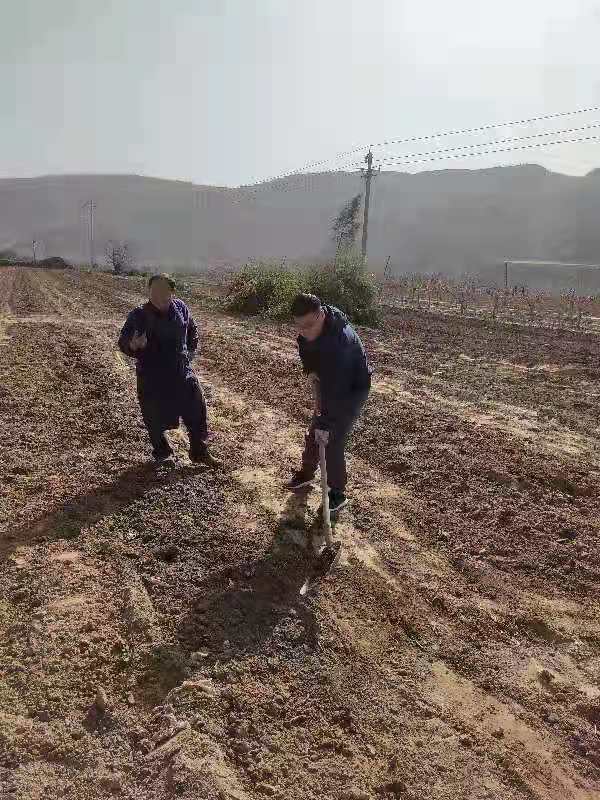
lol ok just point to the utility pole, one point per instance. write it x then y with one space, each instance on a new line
91 205
33 244
367 174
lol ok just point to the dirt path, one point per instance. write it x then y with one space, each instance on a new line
456 651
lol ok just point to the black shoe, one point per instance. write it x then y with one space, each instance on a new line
299 480
337 501
204 456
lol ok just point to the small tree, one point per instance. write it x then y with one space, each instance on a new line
346 225
507 301
387 272
434 286
387 276
534 302
495 295
583 305
118 256
567 306
464 292
401 288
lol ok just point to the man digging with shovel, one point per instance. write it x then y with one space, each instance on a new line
334 358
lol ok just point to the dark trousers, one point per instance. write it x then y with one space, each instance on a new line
163 406
339 432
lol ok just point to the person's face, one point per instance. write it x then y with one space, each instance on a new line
310 325
161 294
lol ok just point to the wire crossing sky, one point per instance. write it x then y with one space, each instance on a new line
230 92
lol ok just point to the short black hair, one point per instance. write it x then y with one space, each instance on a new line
305 304
162 276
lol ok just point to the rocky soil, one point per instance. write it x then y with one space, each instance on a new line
153 642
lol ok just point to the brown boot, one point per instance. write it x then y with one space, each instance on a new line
204 456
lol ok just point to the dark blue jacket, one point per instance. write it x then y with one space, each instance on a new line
172 340
339 360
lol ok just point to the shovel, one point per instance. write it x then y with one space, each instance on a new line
327 551
327 537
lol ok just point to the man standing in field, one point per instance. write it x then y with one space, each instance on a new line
333 357
163 338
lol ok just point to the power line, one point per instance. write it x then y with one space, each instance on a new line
394 159
506 149
445 155
448 154
248 192
245 194
479 128
459 132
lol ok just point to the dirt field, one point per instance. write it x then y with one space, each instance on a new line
153 643
534 309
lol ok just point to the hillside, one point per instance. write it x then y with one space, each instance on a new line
449 220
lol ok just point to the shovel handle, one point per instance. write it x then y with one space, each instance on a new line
325 494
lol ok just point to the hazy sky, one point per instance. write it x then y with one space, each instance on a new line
231 91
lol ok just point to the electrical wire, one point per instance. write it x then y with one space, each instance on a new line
394 159
427 137
248 192
504 150
444 155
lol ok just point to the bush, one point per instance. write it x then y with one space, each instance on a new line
269 290
8 256
54 262
264 289
136 273
348 286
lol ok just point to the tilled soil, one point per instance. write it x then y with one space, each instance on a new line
153 642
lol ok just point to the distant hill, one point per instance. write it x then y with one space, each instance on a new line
449 221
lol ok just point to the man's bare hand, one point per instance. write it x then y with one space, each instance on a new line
138 341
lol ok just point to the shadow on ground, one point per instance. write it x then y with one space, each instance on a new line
255 607
88 508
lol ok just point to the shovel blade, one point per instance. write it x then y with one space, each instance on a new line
327 560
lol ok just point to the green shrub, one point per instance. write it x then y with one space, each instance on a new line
268 290
264 289
348 286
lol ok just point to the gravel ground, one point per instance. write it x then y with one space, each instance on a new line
153 642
